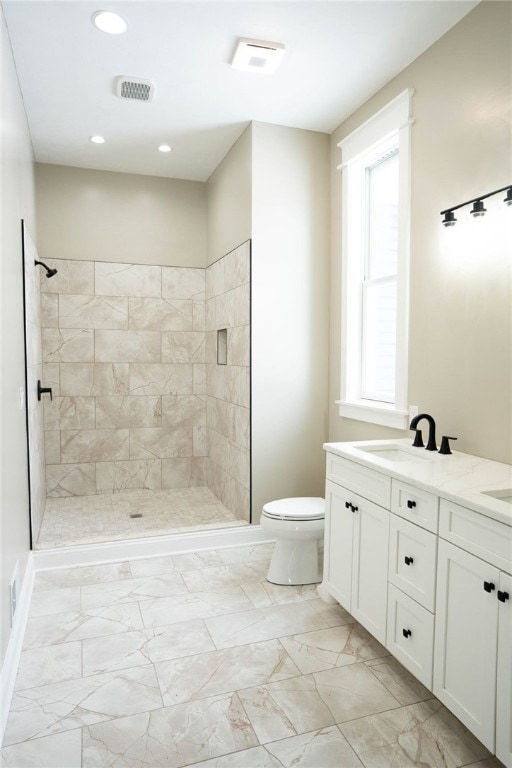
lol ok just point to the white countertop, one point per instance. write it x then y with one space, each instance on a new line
459 477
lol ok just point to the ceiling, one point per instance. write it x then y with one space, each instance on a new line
338 54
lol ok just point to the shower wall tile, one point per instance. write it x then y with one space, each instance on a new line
130 352
127 346
216 380
224 308
161 314
160 443
85 445
109 312
211 347
161 379
199 441
51 377
183 283
94 378
70 479
127 280
188 472
183 410
237 384
115 476
52 446
70 413
215 279
72 277
199 379
198 316
49 310
238 345
228 386
128 411
241 302
183 347
67 346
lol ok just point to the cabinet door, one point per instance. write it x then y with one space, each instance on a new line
504 690
370 567
466 634
339 525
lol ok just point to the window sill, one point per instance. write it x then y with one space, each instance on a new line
378 413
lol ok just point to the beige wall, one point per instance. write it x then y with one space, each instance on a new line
122 217
290 224
17 202
229 199
460 301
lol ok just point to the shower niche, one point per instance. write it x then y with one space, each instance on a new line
145 427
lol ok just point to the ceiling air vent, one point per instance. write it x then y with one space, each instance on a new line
134 88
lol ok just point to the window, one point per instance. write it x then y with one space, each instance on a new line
375 260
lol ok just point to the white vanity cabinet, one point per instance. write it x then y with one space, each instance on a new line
473 638
430 578
357 540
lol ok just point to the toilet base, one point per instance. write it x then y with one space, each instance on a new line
295 563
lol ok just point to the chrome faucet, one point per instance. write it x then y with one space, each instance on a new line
431 444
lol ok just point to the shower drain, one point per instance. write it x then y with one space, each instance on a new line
136 514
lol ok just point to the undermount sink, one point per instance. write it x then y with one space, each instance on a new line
393 452
505 494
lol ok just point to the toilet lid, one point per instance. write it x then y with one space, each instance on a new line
298 508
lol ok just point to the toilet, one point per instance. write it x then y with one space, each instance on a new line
297 525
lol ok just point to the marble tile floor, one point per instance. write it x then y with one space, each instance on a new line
196 660
73 520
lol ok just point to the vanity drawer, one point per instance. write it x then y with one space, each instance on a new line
410 635
482 536
415 505
412 561
366 482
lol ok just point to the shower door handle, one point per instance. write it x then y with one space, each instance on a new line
43 390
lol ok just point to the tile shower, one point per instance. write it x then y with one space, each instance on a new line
145 418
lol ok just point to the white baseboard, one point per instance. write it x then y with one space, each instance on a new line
12 655
116 551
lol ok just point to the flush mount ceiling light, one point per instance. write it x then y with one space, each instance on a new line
164 148
97 139
478 208
257 56
109 22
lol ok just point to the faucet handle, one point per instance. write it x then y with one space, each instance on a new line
418 439
445 445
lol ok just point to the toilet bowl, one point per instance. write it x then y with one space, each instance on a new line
297 525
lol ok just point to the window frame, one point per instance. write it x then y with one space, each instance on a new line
389 127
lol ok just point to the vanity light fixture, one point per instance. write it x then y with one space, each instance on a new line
478 208
97 139
257 56
164 148
109 22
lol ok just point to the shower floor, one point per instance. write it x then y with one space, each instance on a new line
91 519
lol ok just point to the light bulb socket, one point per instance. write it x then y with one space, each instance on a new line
449 219
508 199
478 209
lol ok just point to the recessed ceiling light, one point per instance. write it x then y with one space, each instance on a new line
257 56
164 148
97 139
110 22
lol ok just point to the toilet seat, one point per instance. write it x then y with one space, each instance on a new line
295 509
